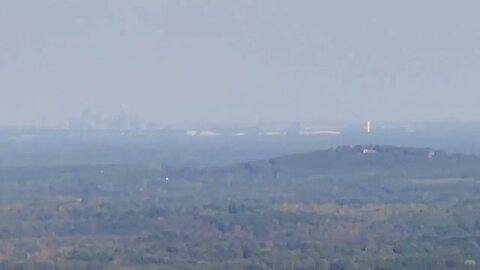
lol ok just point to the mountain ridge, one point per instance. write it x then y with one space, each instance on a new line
360 161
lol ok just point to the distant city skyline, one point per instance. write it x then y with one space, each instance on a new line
229 61
125 120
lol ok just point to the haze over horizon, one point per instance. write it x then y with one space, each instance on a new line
240 61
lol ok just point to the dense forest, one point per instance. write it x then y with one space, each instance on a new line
361 207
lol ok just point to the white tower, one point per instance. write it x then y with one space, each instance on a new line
369 127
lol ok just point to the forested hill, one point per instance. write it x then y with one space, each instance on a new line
354 161
347 208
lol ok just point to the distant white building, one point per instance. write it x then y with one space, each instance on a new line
274 133
191 133
369 151
470 263
201 133
208 133
319 132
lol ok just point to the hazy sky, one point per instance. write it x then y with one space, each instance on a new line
240 60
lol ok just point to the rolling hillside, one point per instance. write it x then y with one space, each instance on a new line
353 162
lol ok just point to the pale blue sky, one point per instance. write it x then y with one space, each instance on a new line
228 61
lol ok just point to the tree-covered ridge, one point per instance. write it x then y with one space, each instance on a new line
240 217
360 161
